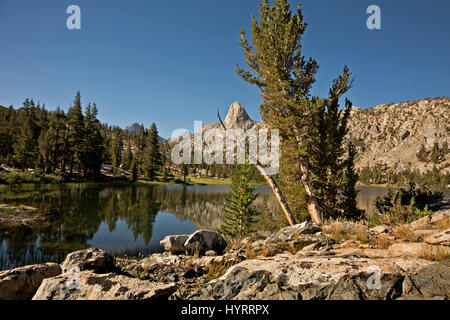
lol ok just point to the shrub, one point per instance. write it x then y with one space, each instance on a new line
404 206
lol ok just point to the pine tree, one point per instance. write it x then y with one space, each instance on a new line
134 170
127 157
93 143
435 153
240 217
184 169
444 150
422 154
76 134
285 77
24 148
152 154
116 148
347 202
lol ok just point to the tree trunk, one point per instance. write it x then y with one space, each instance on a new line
312 202
275 189
277 192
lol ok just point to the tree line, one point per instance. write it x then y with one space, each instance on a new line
74 143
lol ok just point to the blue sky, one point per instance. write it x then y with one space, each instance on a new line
173 62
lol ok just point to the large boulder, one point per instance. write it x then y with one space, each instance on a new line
175 243
205 240
93 259
22 283
348 277
91 286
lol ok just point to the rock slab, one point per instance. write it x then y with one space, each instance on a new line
93 259
22 283
91 286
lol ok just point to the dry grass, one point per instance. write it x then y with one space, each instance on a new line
341 231
250 253
404 233
443 224
361 235
435 253
218 269
381 242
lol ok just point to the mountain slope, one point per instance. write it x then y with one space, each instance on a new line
392 135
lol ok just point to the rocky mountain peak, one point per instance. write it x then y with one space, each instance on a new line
133 129
237 117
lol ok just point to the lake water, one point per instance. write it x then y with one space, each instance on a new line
120 219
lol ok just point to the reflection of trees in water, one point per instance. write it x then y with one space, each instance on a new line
74 216
204 208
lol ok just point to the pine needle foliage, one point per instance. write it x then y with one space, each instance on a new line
240 217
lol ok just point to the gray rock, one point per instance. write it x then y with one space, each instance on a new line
91 286
160 259
298 230
210 253
174 243
205 240
329 278
22 283
379 229
93 259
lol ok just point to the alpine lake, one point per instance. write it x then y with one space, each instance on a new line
123 220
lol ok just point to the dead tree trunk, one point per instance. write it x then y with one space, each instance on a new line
273 185
312 202
278 194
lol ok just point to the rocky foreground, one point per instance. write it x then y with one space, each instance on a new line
339 261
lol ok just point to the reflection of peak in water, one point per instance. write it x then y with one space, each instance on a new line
204 208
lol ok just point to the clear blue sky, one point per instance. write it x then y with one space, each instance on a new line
173 62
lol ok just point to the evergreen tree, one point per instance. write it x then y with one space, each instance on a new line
24 148
435 153
141 143
444 150
240 217
285 77
152 154
127 157
184 168
93 143
134 170
76 134
422 154
347 202
116 148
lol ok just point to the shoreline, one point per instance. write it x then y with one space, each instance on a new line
329 262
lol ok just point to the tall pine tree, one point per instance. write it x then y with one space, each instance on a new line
285 77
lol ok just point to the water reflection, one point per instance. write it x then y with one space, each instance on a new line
119 219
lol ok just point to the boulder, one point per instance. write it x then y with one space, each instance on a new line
22 283
440 238
93 259
174 243
379 229
296 231
440 215
210 253
427 222
350 277
160 259
205 240
93 286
